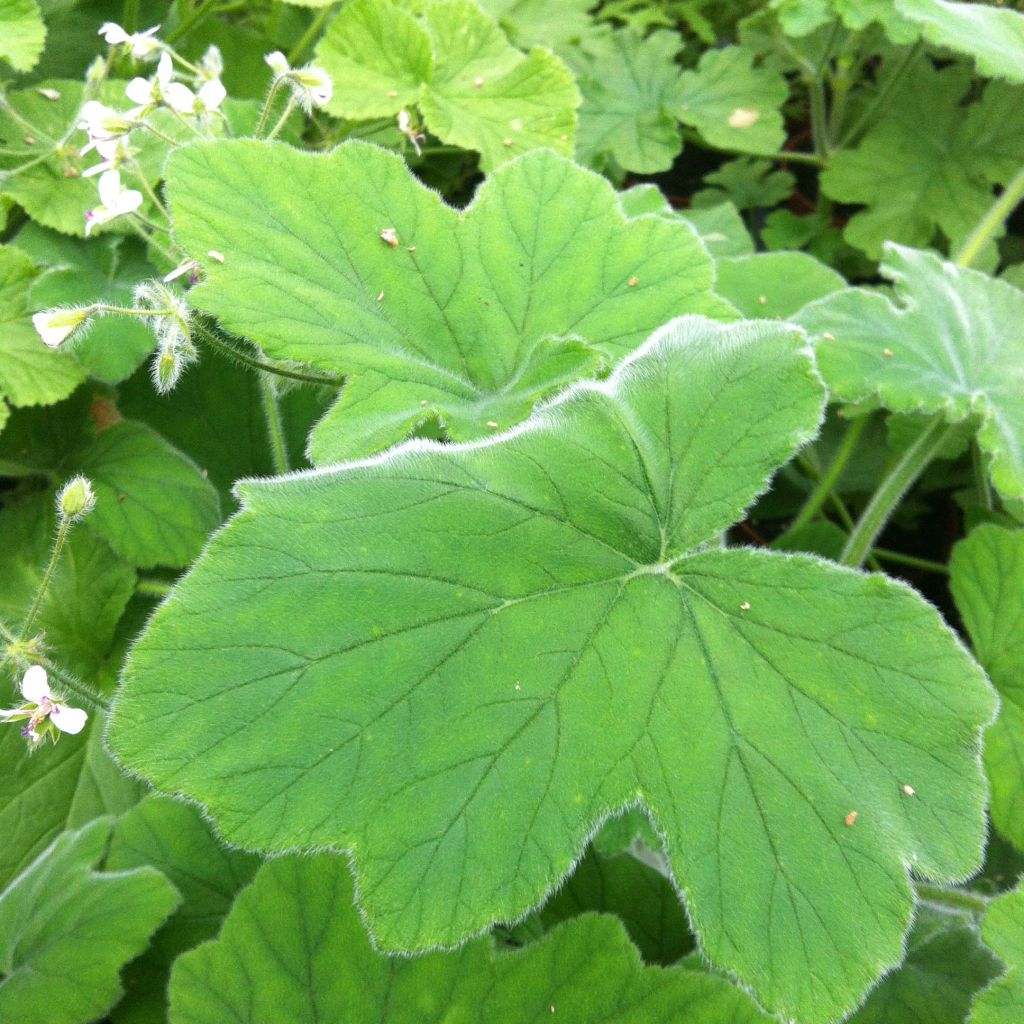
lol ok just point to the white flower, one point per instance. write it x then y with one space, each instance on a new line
114 153
212 64
311 86
102 123
55 326
278 63
43 709
115 200
413 134
181 269
181 98
148 92
142 43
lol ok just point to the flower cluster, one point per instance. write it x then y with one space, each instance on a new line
171 325
43 712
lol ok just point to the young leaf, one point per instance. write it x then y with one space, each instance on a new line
455 661
993 37
953 342
30 374
66 930
1003 931
475 89
801 17
22 34
472 317
988 582
173 838
929 162
774 284
295 940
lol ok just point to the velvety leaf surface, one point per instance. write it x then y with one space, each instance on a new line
946 964
467 656
173 838
294 950
22 33
1003 1002
774 284
988 585
30 373
952 342
66 930
474 88
537 283
993 37
929 162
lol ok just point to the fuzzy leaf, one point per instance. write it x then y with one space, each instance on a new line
993 37
774 284
66 930
953 342
988 584
22 34
474 88
494 309
1003 931
293 949
457 660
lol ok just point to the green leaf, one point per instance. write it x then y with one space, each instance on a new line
30 373
540 22
474 88
66 930
774 284
59 787
953 342
748 184
993 37
929 162
987 583
629 86
22 34
493 309
733 104
801 17
152 503
549 639
294 940
1003 931
173 838
946 964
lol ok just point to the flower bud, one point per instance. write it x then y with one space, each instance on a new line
77 498
55 326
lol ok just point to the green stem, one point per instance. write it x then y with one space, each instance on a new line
826 482
58 545
159 134
151 587
819 120
267 107
911 561
146 187
786 156
285 114
992 221
981 484
881 101
892 489
275 428
199 13
309 35
7 635
231 351
960 899
5 106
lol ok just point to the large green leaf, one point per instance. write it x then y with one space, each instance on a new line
801 17
1003 1002
993 37
946 964
173 838
988 584
475 89
30 373
540 22
538 282
22 34
774 284
952 342
929 163
294 950
66 930
456 660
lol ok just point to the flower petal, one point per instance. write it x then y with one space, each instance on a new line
69 720
109 188
164 70
34 686
180 97
212 94
139 91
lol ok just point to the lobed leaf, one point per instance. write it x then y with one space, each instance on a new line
457 660
1003 1002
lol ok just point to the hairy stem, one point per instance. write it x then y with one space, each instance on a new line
830 478
310 34
960 899
58 545
275 428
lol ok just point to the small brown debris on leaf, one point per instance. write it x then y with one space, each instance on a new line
828 337
745 607
478 83
850 819
389 235
506 142
380 296
492 424
887 352
633 282
744 117
909 791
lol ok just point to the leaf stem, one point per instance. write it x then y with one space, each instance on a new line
268 105
829 479
285 114
981 483
275 428
959 899
892 489
309 35
992 221
66 522
881 101
912 561
231 351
